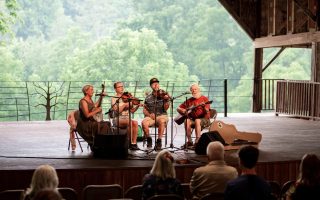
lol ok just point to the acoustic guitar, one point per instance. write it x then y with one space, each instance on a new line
179 119
229 133
99 116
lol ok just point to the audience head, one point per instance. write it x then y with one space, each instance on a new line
215 151
44 177
248 156
309 170
163 165
48 194
86 88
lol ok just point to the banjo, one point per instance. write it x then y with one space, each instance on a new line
99 116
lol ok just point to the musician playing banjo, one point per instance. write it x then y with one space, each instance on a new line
87 124
121 103
196 111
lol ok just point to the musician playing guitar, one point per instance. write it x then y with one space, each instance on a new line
121 103
87 126
198 117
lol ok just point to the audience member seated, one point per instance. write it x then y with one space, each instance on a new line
44 177
162 178
248 185
48 194
214 176
307 185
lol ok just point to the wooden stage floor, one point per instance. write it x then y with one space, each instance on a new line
26 145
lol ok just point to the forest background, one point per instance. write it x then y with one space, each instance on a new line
134 40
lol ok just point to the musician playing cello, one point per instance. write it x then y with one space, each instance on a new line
121 104
198 117
87 124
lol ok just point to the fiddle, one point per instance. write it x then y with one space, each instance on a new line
161 94
126 96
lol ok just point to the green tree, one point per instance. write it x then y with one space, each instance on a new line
8 15
200 34
130 56
37 17
11 68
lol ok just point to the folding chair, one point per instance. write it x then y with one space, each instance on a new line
11 194
213 116
285 187
134 192
275 188
68 193
73 134
154 132
102 192
214 195
166 197
186 191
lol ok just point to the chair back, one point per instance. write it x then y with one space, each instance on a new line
285 187
213 113
11 194
186 191
68 193
102 192
134 192
214 195
166 197
275 188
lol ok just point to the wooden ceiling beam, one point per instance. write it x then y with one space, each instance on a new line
306 10
287 40
238 18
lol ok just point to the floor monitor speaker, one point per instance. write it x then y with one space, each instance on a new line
113 146
205 139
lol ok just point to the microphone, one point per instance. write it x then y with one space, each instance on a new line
186 93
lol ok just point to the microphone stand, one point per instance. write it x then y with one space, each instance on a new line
118 111
171 113
185 130
155 124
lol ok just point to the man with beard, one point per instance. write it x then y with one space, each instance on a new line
196 111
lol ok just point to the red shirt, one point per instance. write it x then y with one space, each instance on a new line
199 111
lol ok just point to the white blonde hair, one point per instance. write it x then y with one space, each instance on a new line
44 177
215 151
85 88
194 84
163 165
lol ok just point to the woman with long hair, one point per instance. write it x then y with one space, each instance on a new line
162 177
44 177
307 186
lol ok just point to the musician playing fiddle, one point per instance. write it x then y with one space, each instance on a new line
198 117
121 103
87 125
155 109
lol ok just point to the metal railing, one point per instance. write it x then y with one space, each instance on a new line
298 98
26 100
